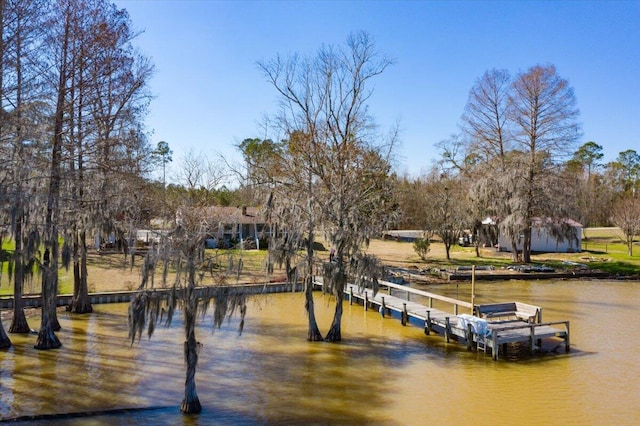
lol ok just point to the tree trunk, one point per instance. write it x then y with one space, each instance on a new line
46 336
313 334
526 246
80 303
4 339
447 249
514 250
19 323
190 403
335 333
76 269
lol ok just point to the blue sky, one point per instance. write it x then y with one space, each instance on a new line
210 95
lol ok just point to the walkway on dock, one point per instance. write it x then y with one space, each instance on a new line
486 334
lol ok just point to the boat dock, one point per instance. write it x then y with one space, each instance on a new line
483 327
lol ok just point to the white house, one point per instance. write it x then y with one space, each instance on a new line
232 224
543 239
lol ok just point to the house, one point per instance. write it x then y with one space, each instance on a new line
227 226
545 236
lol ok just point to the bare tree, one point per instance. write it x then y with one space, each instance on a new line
61 44
519 134
282 174
545 116
446 211
108 96
201 176
345 167
626 216
21 134
71 95
485 118
489 142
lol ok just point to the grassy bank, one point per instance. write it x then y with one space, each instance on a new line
603 249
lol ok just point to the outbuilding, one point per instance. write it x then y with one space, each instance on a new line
547 236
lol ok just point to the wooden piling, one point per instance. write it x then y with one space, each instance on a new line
383 307
473 287
405 315
539 318
427 324
447 329
532 339
469 337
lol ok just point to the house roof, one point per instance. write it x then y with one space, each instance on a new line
548 221
226 214
537 221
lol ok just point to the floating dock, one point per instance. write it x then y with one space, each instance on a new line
485 328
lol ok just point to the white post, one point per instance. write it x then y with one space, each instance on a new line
473 288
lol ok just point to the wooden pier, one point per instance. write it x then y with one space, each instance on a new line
483 327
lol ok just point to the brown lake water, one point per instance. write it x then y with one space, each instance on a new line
382 372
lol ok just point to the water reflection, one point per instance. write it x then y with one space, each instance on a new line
382 373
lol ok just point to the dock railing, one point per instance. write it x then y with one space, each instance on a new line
408 291
399 288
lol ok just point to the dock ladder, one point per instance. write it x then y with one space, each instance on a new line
481 342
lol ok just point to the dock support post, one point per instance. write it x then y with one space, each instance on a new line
383 307
350 295
539 318
469 336
427 324
494 344
366 301
532 338
455 309
567 340
473 288
447 331
405 315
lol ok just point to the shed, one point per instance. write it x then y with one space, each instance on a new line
545 238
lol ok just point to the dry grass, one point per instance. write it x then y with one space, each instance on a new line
112 272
